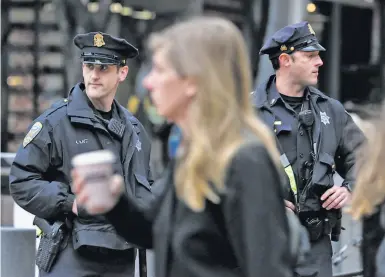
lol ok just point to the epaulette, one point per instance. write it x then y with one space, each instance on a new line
57 105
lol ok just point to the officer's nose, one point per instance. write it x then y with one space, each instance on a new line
319 62
95 74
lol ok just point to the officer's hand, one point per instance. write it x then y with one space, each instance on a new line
335 198
290 206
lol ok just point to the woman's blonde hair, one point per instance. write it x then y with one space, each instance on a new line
212 51
370 187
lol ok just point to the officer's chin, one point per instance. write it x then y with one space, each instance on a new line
313 81
94 93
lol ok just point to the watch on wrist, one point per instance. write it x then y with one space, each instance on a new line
346 185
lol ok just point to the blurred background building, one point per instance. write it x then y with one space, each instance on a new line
39 63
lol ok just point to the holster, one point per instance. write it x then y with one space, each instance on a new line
317 225
51 242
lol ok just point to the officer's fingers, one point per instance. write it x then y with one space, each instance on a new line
329 200
289 205
346 199
116 186
340 191
328 193
340 205
335 203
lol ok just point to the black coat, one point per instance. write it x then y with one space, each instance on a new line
245 235
40 174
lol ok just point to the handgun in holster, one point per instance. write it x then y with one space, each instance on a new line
314 226
317 224
329 225
51 241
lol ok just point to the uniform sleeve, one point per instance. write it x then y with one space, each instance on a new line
255 215
351 140
145 138
29 186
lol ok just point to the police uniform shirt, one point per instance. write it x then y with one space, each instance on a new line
294 102
293 139
105 115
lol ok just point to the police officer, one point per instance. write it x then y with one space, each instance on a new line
315 135
90 119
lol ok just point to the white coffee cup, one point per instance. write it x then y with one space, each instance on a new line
96 168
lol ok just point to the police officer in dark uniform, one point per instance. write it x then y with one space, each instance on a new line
90 119
315 135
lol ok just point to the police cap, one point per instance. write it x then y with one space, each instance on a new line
295 37
101 48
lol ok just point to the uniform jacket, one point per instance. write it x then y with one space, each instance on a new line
336 134
245 235
40 175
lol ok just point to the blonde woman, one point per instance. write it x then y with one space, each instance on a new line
369 196
221 213
369 191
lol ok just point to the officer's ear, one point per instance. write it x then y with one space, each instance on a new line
284 60
122 72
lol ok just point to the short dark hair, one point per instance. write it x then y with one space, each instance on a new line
275 63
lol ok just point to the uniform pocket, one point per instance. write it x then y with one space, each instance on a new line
143 188
328 160
324 170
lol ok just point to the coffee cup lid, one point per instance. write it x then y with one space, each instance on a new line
94 157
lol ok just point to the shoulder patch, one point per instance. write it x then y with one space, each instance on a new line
35 129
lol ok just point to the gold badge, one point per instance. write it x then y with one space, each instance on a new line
283 47
35 129
98 40
311 29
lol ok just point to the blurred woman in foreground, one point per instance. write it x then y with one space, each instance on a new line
222 212
369 196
